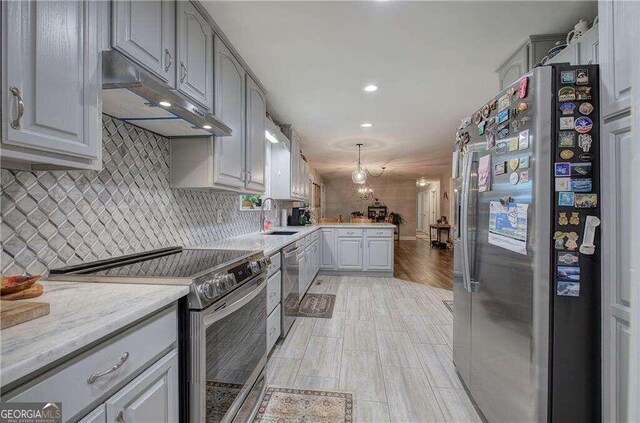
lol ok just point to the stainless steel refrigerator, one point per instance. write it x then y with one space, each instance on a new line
526 331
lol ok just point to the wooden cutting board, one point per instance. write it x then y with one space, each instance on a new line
15 312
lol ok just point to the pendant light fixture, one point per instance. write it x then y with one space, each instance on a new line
359 176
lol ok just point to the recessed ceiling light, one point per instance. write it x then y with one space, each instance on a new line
367 125
206 126
165 104
371 88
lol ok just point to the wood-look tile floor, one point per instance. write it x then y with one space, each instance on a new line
388 342
417 261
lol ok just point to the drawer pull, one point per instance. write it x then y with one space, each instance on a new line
183 68
272 331
16 123
115 367
120 417
380 233
349 233
273 294
168 61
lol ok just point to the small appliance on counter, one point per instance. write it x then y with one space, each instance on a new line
284 220
299 217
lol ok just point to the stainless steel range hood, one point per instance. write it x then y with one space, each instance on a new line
135 95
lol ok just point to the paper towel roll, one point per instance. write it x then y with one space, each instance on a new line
283 218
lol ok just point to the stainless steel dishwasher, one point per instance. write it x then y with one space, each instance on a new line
290 286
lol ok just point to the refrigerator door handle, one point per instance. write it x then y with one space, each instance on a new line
464 220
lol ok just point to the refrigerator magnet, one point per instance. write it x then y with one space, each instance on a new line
586 108
503 102
586 201
567 123
490 137
521 107
568 273
514 163
500 168
524 162
563 220
567 108
524 176
501 148
477 118
581 169
582 76
568 77
486 111
566 154
572 241
563 184
481 126
581 185
566 94
484 173
563 169
568 289
523 140
503 115
523 84
574 219
568 258
583 93
583 124
514 178
565 199
567 139
586 157
493 104
558 237
584 142
513 144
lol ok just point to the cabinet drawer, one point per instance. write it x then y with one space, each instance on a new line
315 236
143 343
274 287
275 264
273 328
347 232
380 233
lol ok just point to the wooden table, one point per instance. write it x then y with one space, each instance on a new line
439 228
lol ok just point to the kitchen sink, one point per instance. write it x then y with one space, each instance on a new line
281 233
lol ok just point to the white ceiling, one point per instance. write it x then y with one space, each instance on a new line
433 61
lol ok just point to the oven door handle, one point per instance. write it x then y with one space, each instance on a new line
227 309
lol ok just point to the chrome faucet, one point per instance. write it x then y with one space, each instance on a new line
262 211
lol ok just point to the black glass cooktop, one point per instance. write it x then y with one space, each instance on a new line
169 263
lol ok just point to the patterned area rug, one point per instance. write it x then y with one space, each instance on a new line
449 304
317 305
288 405
219 397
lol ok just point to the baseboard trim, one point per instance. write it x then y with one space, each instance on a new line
408 238
369 274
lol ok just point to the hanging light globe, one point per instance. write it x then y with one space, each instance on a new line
359 176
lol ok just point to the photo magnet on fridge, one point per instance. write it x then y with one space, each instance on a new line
568 77
586 201
565 199
568 273
568 258
563 169
503 115
567 139
524 162
583 93
500 168
581 185
566 122
580 169
582 76
563 184
568 289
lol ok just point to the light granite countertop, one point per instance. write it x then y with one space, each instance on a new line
81 314
271 244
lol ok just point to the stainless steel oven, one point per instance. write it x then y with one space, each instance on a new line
228 352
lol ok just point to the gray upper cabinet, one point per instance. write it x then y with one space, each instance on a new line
255 157
145 31
530 53
195 55
581 51
51 85
230 107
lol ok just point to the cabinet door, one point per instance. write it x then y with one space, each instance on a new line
513 68
302 266
256 115
350 253
229 151
379 254
589 46
146 32
51 81
295 166
99 415
616 28
151 397
195 55
328 249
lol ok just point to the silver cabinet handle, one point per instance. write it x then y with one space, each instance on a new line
168 60
273 294
95 376
16 124
183 68
120 417
249 179
272 331
360 244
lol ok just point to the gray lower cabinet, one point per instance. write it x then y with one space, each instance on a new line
255 158
350 253
379 254
195 55
145 31
51 81
230 107
99 415
328 247
151 397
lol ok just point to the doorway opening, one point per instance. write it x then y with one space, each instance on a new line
428 206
